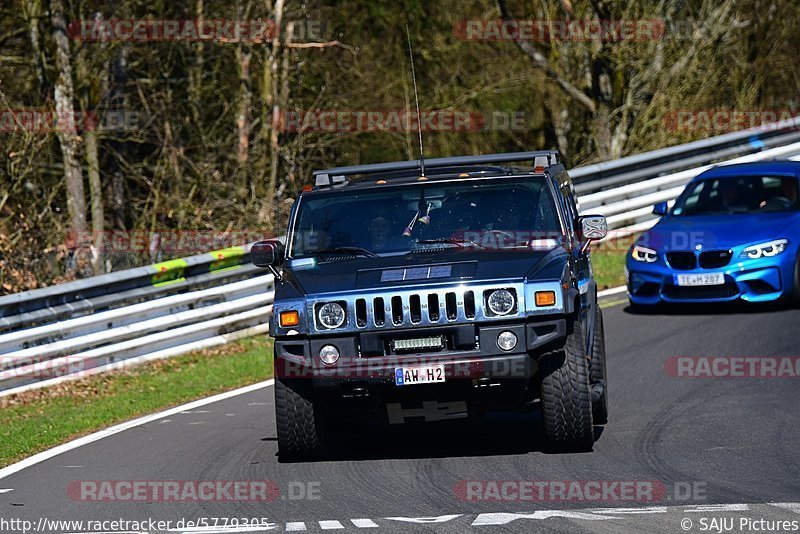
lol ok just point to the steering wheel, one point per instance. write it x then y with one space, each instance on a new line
777 204
502 233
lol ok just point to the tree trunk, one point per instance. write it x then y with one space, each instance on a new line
118 102
196 74
96 195
269 93
243 55
33 11
67 134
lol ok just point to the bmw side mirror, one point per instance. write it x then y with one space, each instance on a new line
593 228
660 208
267 253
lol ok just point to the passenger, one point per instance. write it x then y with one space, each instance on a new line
728 194
789 190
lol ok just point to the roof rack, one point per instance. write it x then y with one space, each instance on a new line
338 175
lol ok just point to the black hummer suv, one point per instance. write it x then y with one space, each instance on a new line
404 296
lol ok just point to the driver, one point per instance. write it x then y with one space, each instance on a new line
379 229
788 194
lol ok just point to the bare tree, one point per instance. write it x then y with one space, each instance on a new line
271 117
243 56
67 133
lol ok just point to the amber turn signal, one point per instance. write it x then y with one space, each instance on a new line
545 298
290 318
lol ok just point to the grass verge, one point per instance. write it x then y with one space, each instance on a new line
40 419
608 262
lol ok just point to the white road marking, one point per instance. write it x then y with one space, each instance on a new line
791 506
504 518
197 423
617 511
437 519
256 403
6 490
216 530
492 519
364 523
611 291
717 508
97 436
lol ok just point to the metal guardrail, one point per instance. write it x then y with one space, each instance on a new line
107 322
629 208
645 165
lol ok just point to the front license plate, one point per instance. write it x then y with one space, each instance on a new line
424 374
705 279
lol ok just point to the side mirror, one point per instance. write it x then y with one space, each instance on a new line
593 228
267 254
660 208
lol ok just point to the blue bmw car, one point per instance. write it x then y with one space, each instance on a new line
733 234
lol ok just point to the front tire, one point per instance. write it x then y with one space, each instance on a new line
566 395
597 374
298 420
794 298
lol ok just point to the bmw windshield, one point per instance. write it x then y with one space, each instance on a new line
738 194
502 213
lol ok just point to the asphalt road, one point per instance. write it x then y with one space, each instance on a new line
717 447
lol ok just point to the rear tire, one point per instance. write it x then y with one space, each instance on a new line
597 370
297 419
566 396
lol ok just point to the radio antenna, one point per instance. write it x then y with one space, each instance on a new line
416 100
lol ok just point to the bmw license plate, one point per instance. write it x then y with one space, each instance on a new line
424 374
704 279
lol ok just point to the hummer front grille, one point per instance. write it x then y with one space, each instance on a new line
417 308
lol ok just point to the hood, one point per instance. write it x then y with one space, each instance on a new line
413 269
715 231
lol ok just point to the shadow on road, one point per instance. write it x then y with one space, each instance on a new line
728 308
495 434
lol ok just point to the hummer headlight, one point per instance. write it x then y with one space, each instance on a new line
501 301
331 315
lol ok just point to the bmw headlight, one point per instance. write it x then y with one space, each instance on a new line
765 250
501 301
331 315
647 255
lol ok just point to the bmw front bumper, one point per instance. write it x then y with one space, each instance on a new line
761 280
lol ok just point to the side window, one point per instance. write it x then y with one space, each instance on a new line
573 205
568 206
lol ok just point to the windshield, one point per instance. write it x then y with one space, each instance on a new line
509 213
738 194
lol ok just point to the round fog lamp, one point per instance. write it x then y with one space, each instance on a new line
329 354
507 340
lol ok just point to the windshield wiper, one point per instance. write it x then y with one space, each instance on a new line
349 250
449 241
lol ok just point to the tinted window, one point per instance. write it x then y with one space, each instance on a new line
738 194
376 219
